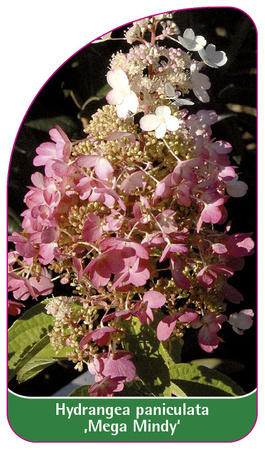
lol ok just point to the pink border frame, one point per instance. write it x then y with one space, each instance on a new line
68 59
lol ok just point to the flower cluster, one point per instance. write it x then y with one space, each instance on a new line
126 216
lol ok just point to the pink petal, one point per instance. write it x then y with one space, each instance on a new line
181 280
100 335
187 315
154 299
140 277
222 147
166 327
220 249
206 337
103 168
14 308
211 214
46 252
87 160
42 285
232 294
92 230
48 235
118 365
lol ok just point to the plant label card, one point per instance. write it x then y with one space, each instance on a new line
132 238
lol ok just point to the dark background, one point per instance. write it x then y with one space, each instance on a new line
67 100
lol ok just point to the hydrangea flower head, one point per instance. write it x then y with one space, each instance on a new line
131 221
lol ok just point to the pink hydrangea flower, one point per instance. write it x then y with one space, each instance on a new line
167 324
101 336
14 308
213 208
208 275
136 273
103 266
103 168
209 325
92 230
23 245
113 365
33 286
49 151
177 266
106 387
143 308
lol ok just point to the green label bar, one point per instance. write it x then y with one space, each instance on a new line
130 419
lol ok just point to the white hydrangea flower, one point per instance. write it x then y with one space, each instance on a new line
213 58
121 94
159 122
241 321
236 188
200 83
190 41
174 96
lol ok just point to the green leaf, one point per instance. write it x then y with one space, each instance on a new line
135 388
45 124
171 351
81 391
103 91
201 381
148 356
25 332
38 358
177 391
14 222
211 363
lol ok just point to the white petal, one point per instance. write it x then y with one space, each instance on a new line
161 130
170 90
189 34
213 58
163 111
122 110
199 43
172 123
132 102
201 94
149 122
114 97
117 79
237 189
210 51
219 59
192 42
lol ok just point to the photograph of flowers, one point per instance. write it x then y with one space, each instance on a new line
132 215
